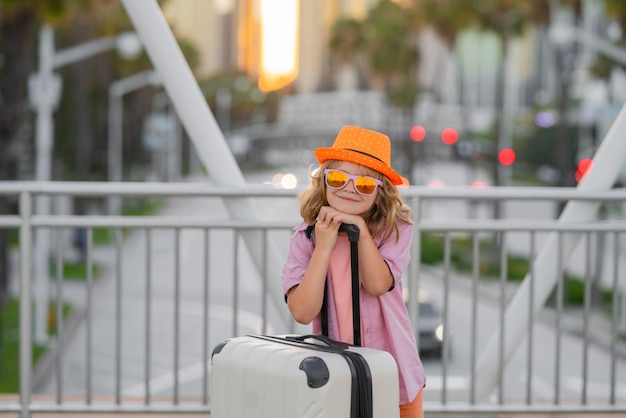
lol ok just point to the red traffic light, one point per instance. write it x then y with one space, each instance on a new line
418 133
449 136
584 166
506 156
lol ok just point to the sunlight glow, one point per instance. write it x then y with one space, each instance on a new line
279 43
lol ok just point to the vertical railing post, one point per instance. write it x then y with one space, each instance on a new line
26 212
415 267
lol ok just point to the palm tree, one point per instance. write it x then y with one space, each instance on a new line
383 43
347 43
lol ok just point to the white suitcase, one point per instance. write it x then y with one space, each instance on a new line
301 376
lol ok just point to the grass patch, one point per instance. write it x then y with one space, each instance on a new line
75 271
489 266
144 207
13 238
461 257
138 207
10 346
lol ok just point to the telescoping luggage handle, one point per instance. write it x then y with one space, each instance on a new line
353 236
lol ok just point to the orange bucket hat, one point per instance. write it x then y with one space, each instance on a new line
361 146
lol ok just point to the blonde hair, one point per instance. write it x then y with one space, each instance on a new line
381 219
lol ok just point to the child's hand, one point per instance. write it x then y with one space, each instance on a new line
328 222
331 217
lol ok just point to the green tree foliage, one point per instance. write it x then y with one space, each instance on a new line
603 65
347 39
384 44
247 102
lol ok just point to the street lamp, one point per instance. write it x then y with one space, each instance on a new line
117 90
44 94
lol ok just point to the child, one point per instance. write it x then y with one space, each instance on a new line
355 184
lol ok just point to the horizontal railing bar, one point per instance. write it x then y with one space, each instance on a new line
169 408
512 193
96 221
520 226
158 222
10 221
208 190
452 409
106 189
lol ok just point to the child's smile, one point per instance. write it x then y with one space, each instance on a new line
347 199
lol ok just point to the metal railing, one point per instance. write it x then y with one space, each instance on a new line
160 319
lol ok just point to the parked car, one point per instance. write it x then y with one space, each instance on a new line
431 331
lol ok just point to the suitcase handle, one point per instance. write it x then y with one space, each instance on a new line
351 230
353 237
323 338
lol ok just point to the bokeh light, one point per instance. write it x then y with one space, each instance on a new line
449 136
584 166
289 181
435 184
544 119
418 133
276 179
506 156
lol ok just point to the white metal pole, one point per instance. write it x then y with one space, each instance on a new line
114 149
82 51
115 156
195 115
45 93
607 163
600 45
26 348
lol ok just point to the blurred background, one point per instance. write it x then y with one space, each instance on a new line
475 93
509 92
540 80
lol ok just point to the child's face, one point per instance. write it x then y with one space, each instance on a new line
347 199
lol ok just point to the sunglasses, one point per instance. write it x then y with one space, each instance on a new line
365 185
